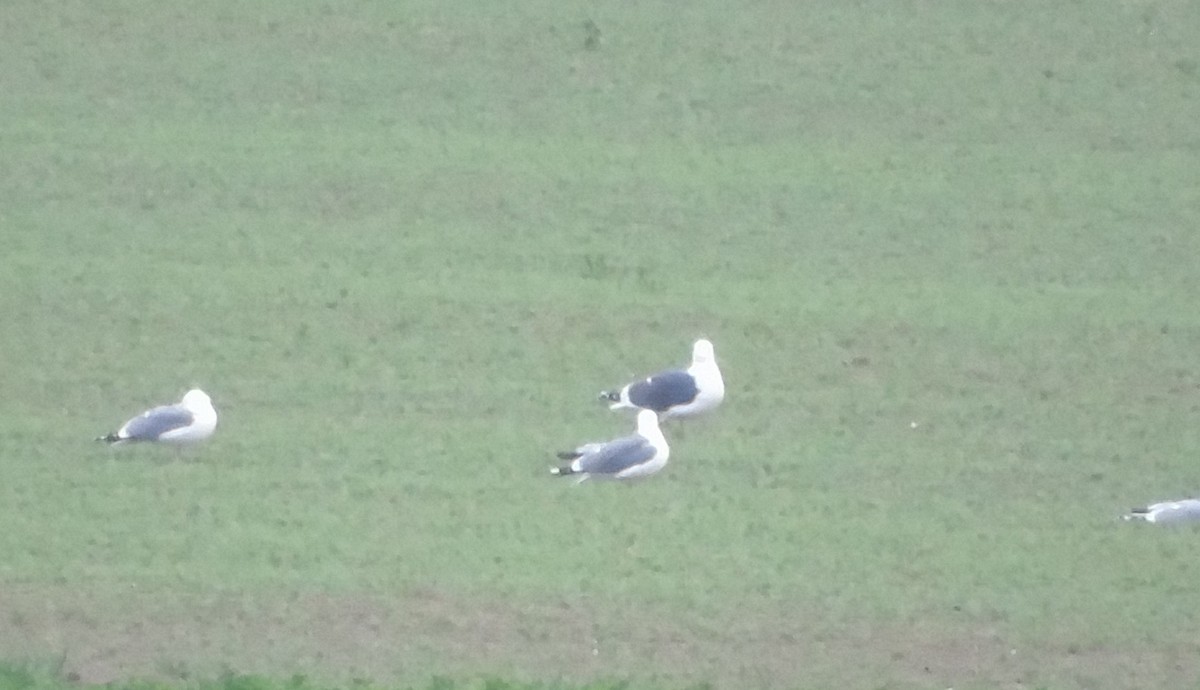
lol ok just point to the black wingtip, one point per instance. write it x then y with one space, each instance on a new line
610 396
567 454
561 471
111 438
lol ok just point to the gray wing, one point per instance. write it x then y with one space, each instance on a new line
664 391
1175 512
151 424
616 456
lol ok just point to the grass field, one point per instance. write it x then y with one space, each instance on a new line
947 253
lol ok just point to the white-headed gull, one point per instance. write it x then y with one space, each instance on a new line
1168 512
678 392
190 420
630 457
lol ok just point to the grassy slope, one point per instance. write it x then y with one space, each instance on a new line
403 248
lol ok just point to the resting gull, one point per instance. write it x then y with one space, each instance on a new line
188 421
675 393
1168 512
631 457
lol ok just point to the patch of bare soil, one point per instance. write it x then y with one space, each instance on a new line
410 638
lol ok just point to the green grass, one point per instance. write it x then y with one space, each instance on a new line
33 678
403 245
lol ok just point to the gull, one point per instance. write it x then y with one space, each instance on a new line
675 393
190 420
1168 512
631 457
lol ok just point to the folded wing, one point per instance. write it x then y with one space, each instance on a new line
616 456
664 391
152 424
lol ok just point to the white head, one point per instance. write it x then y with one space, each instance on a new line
647 422
702 351
196 399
